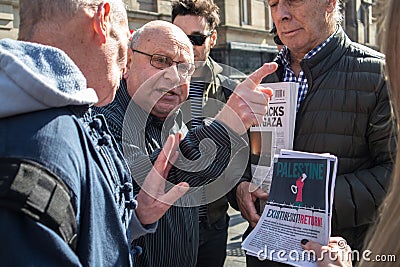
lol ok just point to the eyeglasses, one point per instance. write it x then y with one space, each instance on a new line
199 39
162 62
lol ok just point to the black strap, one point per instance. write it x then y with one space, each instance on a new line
27 187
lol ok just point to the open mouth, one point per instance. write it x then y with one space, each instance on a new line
167 92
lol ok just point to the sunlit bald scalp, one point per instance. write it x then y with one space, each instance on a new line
146 33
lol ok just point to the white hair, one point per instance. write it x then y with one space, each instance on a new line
337 13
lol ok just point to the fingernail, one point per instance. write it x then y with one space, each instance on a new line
268 66
304 241
183 187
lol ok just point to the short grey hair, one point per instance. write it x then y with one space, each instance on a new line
337 13
56 11
135 38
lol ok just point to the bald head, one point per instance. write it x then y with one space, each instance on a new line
158 31
159 69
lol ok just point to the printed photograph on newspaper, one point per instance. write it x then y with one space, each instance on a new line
275 133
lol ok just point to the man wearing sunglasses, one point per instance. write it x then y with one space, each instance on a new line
199 19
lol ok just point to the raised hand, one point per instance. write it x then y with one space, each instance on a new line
248 103
152 199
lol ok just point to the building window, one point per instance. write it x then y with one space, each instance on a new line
6 17
268 18
245 12
148 5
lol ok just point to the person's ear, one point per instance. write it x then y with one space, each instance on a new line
102 21
331 6
213 37
128 63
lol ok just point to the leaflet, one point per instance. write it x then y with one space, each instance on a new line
299 207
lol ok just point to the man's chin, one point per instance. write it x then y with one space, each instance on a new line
162 111
105 101
198 63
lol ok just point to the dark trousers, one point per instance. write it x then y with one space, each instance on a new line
212 243
255 262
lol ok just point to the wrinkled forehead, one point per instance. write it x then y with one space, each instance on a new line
185 49
168 42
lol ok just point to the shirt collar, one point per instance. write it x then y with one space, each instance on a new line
134 113
122 96
283 57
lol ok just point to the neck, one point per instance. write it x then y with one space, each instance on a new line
297 56
295 63
201 71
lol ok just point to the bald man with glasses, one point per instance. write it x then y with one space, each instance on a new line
146 108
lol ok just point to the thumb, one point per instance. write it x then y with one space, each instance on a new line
256 190
266 69
174 193
261 194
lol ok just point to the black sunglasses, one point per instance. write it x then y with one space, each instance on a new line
199 39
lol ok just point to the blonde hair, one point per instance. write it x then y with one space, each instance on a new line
385 236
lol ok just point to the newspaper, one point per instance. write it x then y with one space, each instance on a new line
299 207
276 132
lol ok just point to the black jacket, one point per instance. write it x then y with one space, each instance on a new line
347 112
217 89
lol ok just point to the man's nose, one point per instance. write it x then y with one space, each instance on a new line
172 74
283 11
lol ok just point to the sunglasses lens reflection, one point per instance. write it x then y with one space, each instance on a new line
197 39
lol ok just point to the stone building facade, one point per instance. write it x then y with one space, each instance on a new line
244 39
9 18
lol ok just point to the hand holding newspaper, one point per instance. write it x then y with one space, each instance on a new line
299 207
276 133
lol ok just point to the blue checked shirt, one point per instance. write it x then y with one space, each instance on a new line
289 76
